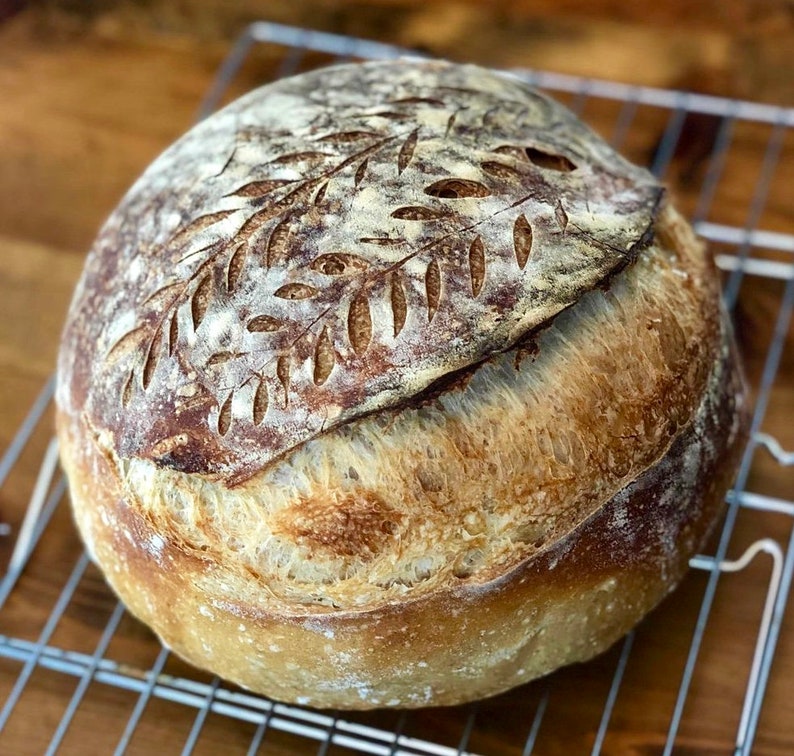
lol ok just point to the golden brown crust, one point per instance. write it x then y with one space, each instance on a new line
522 419
567 603
641 408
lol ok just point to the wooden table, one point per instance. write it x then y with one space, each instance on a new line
88 98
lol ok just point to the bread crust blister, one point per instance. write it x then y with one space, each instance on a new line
388 342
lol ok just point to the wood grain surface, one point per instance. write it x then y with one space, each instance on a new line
91 92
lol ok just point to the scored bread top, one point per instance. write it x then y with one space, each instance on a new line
334 244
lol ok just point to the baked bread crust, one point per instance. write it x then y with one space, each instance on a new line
540 484
321 248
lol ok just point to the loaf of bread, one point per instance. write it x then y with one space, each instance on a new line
393 385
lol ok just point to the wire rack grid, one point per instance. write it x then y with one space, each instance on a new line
753 245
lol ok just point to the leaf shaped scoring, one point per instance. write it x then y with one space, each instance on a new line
500 170
432 288
295 291
259 188
225 415
338 264
173 333
300 157
345 137
202 223
219 358
200 302
418 213
359 323
301 229
249 231
150 363
161 296
522 240
549 160
457 188
260 403
513 151
126 392
324 358
278 244
476 265
361 172
129 342
283 375
235 268
407 151
320 196
399 306
300 194
264 324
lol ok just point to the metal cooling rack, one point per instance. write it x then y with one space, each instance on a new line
744 250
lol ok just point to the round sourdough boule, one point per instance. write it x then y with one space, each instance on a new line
393 385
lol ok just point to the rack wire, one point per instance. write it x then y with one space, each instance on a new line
757 248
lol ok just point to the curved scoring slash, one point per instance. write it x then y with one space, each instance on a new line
361 172
126 392
407 151
549 160
320 195
173 333
221 358
159 297
561 215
